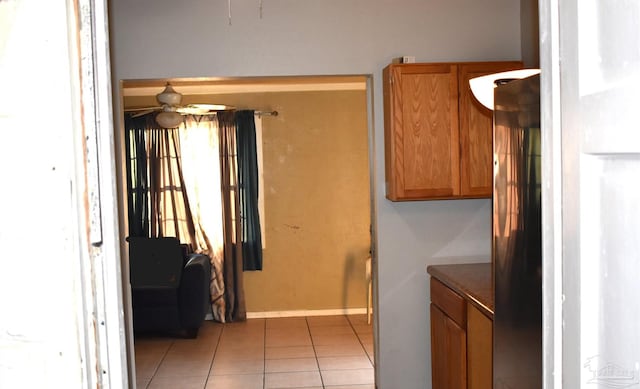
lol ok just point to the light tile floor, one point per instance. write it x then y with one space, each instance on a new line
333 352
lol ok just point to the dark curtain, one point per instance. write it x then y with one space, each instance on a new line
158 203
137 186
248 190
234 289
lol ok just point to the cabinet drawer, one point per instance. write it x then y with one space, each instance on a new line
451 303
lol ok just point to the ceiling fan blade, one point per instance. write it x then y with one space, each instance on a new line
190 110
203 109
142 113
135 109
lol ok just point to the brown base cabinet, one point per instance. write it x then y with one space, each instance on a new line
479 349
449 352
438 137
461 342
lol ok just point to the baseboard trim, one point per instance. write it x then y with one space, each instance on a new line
313 312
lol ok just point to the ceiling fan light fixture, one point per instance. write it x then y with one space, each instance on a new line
169 119
169 96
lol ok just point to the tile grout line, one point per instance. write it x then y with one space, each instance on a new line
361 343
315 354
155 371
206 381
264 355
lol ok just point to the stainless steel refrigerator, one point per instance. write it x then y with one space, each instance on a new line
517 231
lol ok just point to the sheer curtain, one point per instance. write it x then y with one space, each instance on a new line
201 169
170 211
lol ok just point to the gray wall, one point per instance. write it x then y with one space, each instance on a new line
193 38
529 33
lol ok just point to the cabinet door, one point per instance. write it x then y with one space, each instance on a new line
448 352
476 131
479 349
421 131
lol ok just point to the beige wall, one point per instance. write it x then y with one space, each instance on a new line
316 175
317 204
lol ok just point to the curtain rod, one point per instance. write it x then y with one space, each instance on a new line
266 113
259 113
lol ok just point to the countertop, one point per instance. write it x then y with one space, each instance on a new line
472 281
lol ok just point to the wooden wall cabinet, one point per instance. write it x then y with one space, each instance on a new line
438 138
461 342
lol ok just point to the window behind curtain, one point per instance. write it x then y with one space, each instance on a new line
158 203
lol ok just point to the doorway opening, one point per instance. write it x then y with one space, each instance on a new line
318 198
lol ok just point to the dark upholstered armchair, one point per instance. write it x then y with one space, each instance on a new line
170 290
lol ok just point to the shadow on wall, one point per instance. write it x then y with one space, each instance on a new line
354 269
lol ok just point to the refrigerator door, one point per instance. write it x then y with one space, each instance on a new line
517 243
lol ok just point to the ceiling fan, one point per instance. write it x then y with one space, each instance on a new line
170 115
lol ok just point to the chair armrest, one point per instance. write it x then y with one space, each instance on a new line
194 290
197 260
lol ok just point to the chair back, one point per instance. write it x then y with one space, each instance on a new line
155 262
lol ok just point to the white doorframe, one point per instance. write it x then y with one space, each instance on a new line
96 166
590 62
62 321
551 194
